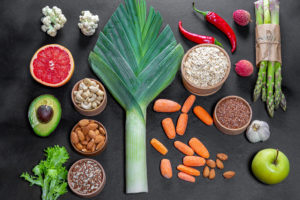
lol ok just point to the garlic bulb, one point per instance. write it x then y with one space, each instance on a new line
258 131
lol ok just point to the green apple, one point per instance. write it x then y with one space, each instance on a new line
270 166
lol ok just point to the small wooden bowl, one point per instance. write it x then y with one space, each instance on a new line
97 151
230 131
91 112
203 91
89 195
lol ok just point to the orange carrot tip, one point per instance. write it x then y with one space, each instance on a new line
186 177
166 168
188 170
183 148
159 146
182 123
199 147
169 127
166 105
203 115
193 161
188 103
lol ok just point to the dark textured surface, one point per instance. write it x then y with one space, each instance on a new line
20 149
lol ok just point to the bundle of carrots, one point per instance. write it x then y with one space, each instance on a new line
186 170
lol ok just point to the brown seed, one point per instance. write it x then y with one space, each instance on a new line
220 164
92 126
84 142
97 132
74 138
80 136
211 163
212 174
83 122
102 131
90 144
99 145
92 134
228 174
222 156
85 130
206 172
79 146
99 138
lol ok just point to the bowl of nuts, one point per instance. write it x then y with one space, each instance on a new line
89 137
204 69
89 97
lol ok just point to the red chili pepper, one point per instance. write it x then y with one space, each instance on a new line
200 39
221 24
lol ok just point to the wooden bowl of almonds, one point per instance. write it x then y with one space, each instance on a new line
89 97
204 69
89 137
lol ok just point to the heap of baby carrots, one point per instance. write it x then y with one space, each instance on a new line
187 172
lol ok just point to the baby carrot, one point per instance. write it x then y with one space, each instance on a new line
186 177
188 170
188 103
203 115
193 161
166 105
166 168
159 146
185 149
181 123
169 128
199 147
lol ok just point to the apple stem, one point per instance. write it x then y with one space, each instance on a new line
276 158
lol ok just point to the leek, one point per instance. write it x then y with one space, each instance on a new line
136 62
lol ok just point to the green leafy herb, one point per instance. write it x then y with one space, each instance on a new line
136 62
50 174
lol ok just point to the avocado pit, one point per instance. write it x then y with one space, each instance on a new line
44 113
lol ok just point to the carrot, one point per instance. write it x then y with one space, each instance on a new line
193 161
166 105
181 123
199 147
159 146
166 168
186 177
188 103
203 115
185 149
188 170
169 128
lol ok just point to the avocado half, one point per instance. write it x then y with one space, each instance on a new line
41 128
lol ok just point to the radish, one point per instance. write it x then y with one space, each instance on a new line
242 17
244 68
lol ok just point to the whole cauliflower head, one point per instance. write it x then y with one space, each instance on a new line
88 23
53 20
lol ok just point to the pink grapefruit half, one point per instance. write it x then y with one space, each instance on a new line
52 65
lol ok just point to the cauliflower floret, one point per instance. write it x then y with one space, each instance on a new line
53 20
88 23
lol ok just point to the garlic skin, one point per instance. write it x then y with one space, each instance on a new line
258 131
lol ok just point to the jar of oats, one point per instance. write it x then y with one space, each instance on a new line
204 69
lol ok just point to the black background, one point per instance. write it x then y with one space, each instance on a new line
21 150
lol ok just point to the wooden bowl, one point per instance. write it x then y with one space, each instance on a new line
97 151
230 131
91 112
89 195
203 91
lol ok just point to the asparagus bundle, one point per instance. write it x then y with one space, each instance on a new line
268 83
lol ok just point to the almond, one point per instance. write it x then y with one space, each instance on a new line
92 134
92 126
206 172
97 132
80 136
100 145
228 174
99 138
85 130
212 174
79 146
90 144
222 156
220 164
74 138
93 147
84 142
102 131
83 122
211 163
